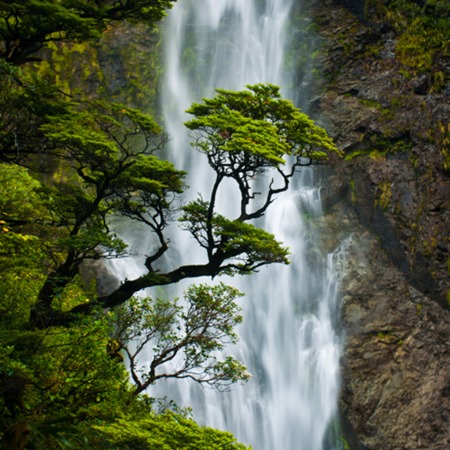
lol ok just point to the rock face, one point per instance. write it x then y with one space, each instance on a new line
393 125
396 388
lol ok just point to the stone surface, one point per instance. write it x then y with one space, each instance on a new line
396 388
393 193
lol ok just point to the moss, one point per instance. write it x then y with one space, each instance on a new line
373 50
385 194
355 154
370 103
439 81
345 444
423 32
71 66
406 73
353 196
429 246
123 66
388 337
419 310
387 114
411 50
442 140
377 155
380 146
372 154
384 335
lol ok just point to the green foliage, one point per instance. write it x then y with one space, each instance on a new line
237 239
189 333
105 153
255 128
243 238
246 135
167 432
26 101
68 388
104 164
23 247
57 380
110 148
19 198
63 381
62 385
423 31
425 38
22 271
26 27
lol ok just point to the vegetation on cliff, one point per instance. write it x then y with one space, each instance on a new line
423 31
389 72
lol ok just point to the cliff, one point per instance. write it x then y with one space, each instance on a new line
385 101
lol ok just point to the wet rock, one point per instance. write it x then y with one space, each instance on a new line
395 378
421 85
392 192
98 277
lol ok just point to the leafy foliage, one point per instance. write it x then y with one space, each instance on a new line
252 133
247 246
23 244
108 155
26 27
166 432
254 129
64 387
187 335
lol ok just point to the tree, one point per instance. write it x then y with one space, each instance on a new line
23 244
246 135
60 388
84 163
188 333
28 26
66 386
110 149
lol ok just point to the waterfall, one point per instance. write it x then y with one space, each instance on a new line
287 340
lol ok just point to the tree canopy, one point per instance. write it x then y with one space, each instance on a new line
189 333
28 26
108 154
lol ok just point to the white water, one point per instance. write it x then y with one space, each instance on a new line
288 341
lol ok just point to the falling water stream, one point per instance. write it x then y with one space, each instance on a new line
288 339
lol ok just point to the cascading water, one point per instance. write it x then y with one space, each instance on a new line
288 341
